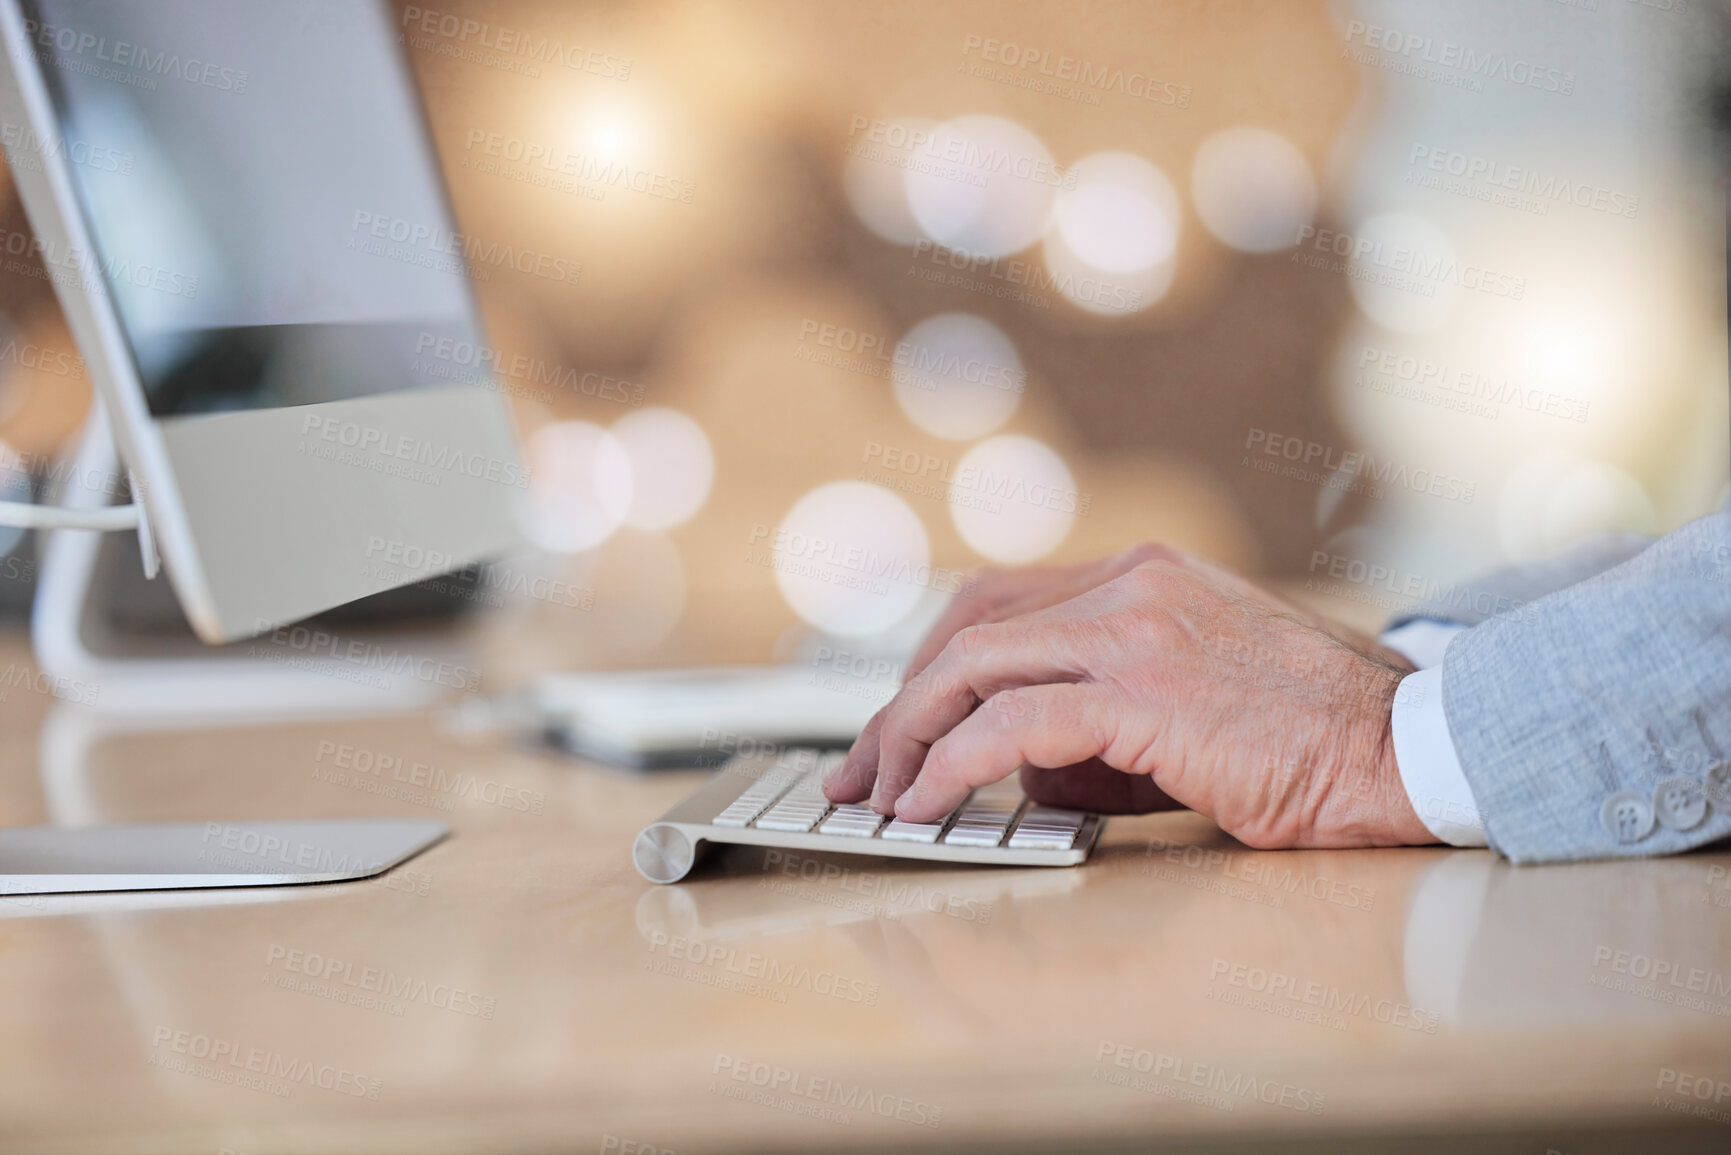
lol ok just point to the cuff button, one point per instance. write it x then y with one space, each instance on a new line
1719 786
1627 815
1679 803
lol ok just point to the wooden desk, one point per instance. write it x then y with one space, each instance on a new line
519 988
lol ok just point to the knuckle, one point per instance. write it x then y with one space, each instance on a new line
1147 551
1156 572
1009 708
1022 707
891 720
939 764
1154 584
916 698
968 643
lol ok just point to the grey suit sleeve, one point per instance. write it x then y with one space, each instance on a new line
1616 683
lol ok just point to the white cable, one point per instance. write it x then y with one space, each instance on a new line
27 515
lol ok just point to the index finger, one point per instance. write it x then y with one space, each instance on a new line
979 662
1049 725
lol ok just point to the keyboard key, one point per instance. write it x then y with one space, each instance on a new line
984 819
759 796
1053 817
852 821
974 835
800 809
899 831
1047 828
797 820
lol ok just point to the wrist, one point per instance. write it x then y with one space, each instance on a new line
1373 807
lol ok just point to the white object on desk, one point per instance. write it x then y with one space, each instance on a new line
776 802
682 717
176 855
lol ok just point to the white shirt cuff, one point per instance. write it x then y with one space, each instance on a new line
1423 751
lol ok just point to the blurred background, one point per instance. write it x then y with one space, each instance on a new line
805 310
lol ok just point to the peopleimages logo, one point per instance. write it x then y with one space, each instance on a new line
916 472
921 366
19 675
381 981
1496 177
585 168
485 361
256 1068
1463 390
1225 1088
122 54
953 156
799 1093
1088 76
854 566
1015 279
66 264
1426 270
308 647
1357 464
1281 989
262 851
369 439
24 146
508 42
1422 52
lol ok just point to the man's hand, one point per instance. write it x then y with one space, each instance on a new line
996 595
1171 682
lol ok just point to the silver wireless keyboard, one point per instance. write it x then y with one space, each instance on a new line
766 801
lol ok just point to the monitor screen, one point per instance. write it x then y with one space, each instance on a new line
262 243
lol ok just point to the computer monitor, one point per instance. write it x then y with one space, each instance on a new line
241 213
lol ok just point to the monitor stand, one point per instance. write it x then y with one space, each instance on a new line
140 688
186 855
120 643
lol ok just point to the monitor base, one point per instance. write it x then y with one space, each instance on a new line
184 855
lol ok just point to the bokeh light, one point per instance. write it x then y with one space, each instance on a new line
983 184
613 130
957 376
1556 497
672 466
851 558
1404 271
1113 249
1253 189
1121 216
580 486
1013 499
877 156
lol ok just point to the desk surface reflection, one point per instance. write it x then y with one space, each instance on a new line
519 987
